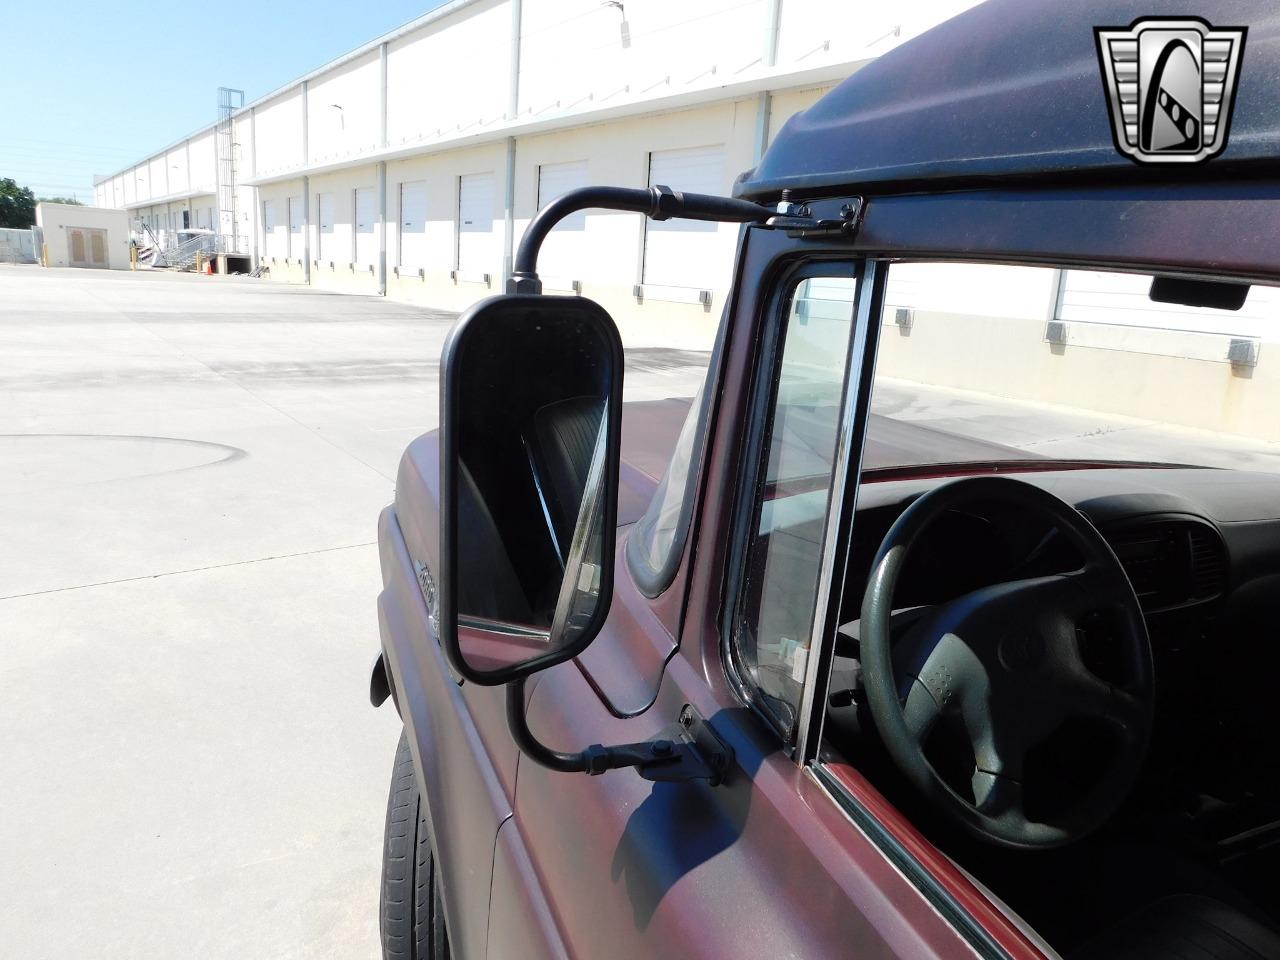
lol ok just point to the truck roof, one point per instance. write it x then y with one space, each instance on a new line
1011 90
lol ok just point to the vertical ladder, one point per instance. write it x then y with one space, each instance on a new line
229 101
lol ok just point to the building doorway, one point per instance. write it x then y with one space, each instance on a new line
87 247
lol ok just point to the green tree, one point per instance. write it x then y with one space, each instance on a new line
17 205
69 200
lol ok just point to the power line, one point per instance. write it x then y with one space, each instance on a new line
60 143
56 153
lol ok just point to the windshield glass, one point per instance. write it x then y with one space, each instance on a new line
1026 367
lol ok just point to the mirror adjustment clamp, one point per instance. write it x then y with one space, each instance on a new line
687 750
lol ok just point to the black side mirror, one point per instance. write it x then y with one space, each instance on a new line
530 424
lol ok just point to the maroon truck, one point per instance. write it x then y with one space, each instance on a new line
893 661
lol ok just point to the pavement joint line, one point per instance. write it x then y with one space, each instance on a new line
175 573
235 383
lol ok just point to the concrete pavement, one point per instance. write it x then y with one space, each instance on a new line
191 471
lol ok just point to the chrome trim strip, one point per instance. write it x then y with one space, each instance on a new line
505 629
542 502
847 465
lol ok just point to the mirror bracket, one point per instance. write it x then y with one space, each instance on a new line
657 203
687 750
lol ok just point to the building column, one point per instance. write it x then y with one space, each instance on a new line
513 111
306 189
509 214
253 191
382 228
764 112
306 229
382 175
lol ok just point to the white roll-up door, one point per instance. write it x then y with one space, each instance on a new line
324 219
477 247
295 229
366 219
1123 299
685 253
270 243
557 179
562 251
413 223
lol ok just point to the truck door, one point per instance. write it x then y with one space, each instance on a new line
766 864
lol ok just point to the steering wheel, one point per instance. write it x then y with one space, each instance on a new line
1003 664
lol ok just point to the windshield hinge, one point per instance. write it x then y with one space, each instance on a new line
798 220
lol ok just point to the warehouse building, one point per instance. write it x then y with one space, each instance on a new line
410 166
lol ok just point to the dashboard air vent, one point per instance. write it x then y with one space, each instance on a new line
1171 561
1208 563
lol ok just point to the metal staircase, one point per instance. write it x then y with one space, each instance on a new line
179 256
183 256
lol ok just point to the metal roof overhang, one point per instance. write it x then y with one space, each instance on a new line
169 198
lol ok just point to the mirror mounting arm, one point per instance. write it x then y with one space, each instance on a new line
657 203
687 750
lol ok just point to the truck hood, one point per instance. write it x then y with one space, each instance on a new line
649 432
650 429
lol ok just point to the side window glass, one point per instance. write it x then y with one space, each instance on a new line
793 492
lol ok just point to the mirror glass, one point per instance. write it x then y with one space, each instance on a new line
530 433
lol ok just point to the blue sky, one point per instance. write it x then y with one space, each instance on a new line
89 87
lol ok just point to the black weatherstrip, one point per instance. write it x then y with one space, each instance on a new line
973 932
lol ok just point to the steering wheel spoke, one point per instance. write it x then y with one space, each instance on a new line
921 711
998 796
1125 713
999 749
1095 587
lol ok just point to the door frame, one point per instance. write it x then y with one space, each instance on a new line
988 929
87 234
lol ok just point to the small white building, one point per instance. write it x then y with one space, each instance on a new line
78 236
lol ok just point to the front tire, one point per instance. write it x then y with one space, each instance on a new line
411 918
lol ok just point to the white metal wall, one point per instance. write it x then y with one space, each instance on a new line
204 162
279 126
573 52
450 76
342 113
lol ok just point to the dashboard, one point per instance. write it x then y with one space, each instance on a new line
1196 543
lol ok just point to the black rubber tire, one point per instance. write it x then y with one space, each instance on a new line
410 917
